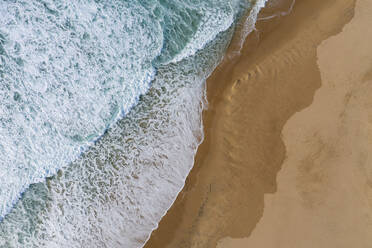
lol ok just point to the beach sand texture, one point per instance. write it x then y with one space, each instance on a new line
322 196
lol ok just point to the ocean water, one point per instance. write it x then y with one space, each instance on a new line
100 113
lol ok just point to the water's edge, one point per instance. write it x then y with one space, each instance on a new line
242 33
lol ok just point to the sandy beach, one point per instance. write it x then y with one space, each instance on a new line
285 161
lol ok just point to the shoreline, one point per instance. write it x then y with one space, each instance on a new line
231 50
250 99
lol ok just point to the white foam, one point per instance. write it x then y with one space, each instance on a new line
70 70
214 21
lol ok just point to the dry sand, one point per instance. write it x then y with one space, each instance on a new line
322 196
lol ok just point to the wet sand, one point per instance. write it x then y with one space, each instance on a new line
322 197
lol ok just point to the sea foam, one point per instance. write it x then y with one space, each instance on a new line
68 72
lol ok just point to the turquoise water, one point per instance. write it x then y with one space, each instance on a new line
71 72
